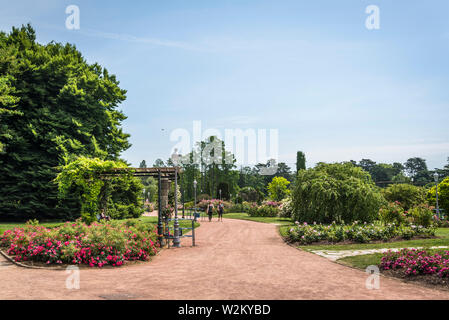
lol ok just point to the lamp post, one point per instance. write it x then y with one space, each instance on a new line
435 175
144 200
220 193
195 183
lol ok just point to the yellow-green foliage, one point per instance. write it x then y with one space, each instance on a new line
278 188
82 178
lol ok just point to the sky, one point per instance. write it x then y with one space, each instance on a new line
310 69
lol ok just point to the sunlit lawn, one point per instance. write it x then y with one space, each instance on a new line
245 216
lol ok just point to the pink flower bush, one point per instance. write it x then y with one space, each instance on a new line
96 245
415 262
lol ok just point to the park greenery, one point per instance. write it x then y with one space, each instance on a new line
61 134
119 196
54 107
355 232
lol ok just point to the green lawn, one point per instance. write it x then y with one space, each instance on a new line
362 261
245 216
441 233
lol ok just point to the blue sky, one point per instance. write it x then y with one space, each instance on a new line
310 69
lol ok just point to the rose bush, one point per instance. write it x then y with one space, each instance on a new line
392 213
95 245
416 262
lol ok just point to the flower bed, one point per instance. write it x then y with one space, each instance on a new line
411 262
96 245
356 232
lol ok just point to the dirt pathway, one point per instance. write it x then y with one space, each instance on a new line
233 260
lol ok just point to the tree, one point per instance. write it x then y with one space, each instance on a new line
416 169
284 171
54 107
300 161
278 188
367 165
335 192
159 163
213 167
143 164
250 194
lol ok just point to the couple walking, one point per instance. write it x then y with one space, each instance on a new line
210 210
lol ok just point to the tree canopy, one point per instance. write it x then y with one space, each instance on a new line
54 106
335 192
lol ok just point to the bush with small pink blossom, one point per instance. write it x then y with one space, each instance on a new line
417 262
96 245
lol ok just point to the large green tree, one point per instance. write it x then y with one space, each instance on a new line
335 192
53 106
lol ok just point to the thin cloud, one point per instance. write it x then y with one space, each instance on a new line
131 38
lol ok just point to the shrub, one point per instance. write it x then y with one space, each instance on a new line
407 195
357 232
422 215
416 262
335 192
265 210
97 245
392 213
239 207
286 208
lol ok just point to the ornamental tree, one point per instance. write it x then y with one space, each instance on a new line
278 188
335 192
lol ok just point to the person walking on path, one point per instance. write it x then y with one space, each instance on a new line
220 211
210 210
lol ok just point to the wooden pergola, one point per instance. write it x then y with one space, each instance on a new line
167 173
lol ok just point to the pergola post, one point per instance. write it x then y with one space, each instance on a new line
176 239
160 229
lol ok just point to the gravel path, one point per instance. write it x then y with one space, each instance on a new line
234 259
